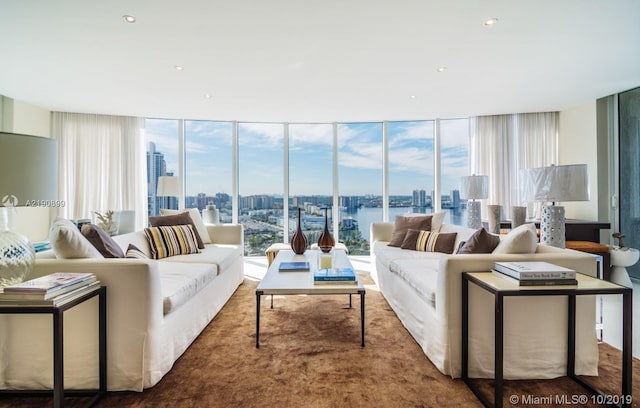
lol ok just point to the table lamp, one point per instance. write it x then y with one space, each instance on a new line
553 184
474 188
28 178
168 186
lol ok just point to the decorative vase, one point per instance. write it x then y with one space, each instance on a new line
299 240
494 218
326 241
17 255
518 216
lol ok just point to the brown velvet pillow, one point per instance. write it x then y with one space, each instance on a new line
481 242
403 224
429 241
177 219
101 240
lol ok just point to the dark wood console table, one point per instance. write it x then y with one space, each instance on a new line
575 230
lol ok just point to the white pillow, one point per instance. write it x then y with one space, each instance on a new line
68 242
520 240
436 219
194 213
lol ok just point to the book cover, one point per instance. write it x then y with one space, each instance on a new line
297 266
335 275
55 301
534 270
48 283
59 290
536 282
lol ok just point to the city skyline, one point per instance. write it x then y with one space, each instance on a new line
208 151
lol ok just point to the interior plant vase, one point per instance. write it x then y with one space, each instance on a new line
326 241
299 240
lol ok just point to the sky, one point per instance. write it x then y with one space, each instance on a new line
360 156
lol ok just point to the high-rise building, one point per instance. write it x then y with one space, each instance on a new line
455 198
419 198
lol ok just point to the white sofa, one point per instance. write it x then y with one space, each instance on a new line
155 309
424 290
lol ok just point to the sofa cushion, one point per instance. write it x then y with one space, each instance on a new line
404 223
420 274
386 254
68 242
182 218
481 242
520 240
216 254
171 240
134 252
102 241
429 241
136 238
198 222
180 282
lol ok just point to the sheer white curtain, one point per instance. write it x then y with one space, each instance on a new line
502 145
101 164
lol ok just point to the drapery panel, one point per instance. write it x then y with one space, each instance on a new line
502 145
101 164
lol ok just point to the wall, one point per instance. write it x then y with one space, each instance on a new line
577 144
21 117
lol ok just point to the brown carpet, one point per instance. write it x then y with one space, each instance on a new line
310 356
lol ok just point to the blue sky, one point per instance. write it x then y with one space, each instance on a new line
261 157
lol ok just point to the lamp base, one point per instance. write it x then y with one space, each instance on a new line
552 226
474 217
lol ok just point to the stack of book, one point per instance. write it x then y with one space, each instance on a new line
295 266
49 290
334 276
536 273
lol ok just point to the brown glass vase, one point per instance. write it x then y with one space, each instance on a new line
298 240
326 241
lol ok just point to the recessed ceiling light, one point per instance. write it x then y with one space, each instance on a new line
412 97
179 67
208 96
442 69
491 21
129 19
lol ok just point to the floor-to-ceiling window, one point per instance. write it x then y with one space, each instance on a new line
629 117
360 182
311 176
411 177
261 184
208 166
281 167
162 160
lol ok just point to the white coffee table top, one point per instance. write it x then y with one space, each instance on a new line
290 283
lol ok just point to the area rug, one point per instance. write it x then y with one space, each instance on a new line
310 356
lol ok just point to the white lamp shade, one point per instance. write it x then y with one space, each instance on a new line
555 183
474 187
168 186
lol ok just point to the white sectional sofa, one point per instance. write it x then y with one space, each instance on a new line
155 309
424 290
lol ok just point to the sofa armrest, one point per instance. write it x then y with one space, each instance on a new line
230 234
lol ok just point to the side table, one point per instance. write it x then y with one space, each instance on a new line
501 288
57 313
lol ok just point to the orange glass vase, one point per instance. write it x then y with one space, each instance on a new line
326 241
299 240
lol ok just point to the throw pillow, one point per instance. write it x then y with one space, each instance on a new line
481 242
182 218
68 242
198 222
102 241
520 240
403 224
166 241
135 253
429 241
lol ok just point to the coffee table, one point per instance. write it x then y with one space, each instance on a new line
301 283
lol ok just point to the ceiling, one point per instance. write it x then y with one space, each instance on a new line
317 61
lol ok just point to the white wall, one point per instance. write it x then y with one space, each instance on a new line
21 117
577 144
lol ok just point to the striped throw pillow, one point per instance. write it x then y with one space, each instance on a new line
165 241
133 252
429 241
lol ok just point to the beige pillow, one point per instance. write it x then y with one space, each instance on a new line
520 240
198 223
68 242
436 219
